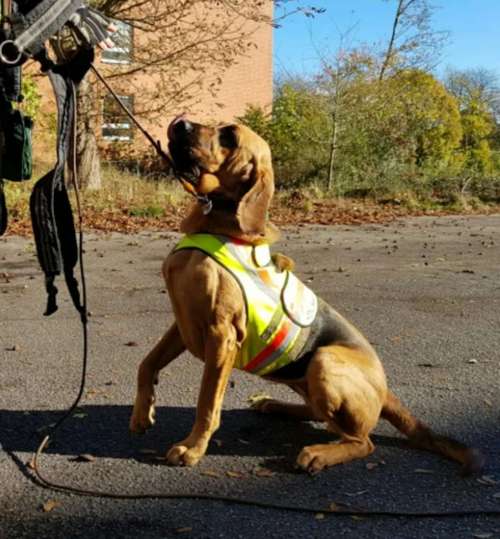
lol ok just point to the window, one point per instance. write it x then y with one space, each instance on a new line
116 124
121 53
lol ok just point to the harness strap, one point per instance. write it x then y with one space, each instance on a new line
3 209
51 214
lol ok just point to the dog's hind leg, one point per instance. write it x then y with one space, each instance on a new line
299 411
166 350
346 391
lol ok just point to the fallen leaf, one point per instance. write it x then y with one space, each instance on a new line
257 397
242 441
472 361
235 475
13 348
217 442
264 472
131 343
80 415
488 402
487 480
371 465
84 457
481 535
186 529
50 505
351 494
319 516
210 473
356 517
423 470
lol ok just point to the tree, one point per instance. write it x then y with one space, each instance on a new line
295 131
184 47
478 94
413 43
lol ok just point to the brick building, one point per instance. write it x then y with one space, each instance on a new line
247 81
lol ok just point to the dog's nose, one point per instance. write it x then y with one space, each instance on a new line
179 128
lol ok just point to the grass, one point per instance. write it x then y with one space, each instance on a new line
129 202
122 195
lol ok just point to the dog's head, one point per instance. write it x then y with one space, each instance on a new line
228 163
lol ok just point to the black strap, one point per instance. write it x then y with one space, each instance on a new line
51 214
3 210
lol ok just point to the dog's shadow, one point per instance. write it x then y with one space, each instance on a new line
102 431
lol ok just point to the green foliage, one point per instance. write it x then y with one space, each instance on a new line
32 97
295 133
478 125
406 136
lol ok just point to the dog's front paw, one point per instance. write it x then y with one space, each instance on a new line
313 459
182 455
143 415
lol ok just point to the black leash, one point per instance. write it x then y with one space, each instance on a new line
202 199
337 508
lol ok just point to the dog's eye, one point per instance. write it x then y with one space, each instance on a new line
227 137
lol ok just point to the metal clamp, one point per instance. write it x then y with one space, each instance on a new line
6 56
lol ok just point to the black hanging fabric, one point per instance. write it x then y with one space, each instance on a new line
23 32
51 214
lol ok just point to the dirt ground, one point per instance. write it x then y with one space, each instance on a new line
426 292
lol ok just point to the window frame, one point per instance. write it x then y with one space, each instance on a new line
128 125
127 52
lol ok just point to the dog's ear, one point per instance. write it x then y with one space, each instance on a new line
253 207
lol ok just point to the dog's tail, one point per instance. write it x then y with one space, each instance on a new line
421 436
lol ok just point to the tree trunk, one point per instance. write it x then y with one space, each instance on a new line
390 47
333 151
87 155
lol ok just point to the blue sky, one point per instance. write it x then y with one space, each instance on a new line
473 25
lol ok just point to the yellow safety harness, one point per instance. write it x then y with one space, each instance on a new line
280 308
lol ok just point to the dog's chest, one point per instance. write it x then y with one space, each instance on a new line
280 308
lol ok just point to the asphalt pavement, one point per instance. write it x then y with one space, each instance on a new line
426 292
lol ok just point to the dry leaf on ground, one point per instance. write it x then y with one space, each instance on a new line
50 505
264 472
235 475
84 457
257 397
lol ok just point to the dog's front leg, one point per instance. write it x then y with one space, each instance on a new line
220 353
166 350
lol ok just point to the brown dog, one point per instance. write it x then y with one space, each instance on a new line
338 374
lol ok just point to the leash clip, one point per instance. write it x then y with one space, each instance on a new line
206 203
